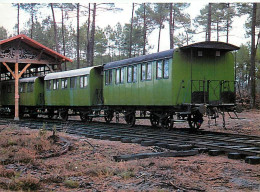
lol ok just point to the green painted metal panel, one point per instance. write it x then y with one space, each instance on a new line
142 92
27 98
185 71
77 96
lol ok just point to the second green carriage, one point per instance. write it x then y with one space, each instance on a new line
76 90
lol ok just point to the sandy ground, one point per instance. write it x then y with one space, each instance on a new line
89 165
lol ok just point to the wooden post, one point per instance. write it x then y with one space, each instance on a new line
16 88
16 76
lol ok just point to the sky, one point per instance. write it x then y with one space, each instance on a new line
8 20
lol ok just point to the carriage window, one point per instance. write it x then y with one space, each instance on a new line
122 75
159 69
200 53
64 83
129 74
73 82
22 88
143 74
166 69
134 73
55 84
48 85
149 71
118 76
30 87
83 81
108 77
218 53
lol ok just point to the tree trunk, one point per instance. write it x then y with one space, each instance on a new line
217 30
171 28
252 59
131 31
18 18
144 31
92 38
78 59
32 15
159 37
88 36
227 27
63 36
209 23
55 29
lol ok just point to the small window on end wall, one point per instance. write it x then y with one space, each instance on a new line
83 81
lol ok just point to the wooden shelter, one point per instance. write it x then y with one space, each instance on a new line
22 56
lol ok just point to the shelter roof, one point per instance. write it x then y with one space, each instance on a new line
139 59
211 45
71 73
36 45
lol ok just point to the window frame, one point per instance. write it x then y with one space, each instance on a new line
122 75
48 85
164 61
129 75
118 76
83 81
73 81
55 84
151 73
64 83
30 86
143 72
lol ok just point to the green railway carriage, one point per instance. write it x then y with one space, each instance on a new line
181 81
77 90
31 94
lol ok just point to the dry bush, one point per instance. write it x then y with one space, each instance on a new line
27 183
100 170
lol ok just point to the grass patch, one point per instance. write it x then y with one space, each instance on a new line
71 184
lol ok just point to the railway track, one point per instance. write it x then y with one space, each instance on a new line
234 145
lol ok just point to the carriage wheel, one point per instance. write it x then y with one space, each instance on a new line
64 115
154 120
50 113
167 123
195 121
109 117
130 119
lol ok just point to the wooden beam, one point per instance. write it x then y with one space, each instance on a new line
40 55
8 68
24 69
32 61
50 68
